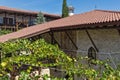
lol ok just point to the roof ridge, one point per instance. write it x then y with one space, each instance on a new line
87 20
19 9
28 11
111 11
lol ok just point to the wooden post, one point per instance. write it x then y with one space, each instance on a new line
16 27
15 21
5 20
118 31
71 40
27 24
23 21
61 39
52 38
30 20
22 18
92 40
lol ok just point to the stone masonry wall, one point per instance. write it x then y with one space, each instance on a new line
106 40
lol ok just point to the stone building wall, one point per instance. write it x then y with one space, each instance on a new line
106 40
63 41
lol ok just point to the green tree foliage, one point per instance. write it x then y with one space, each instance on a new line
41 54
40 18
2 32
35 54
65 11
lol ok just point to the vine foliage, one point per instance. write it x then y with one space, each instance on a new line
39 54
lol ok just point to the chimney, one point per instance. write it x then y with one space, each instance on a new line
71 10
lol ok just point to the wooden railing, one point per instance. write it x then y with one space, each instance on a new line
16 27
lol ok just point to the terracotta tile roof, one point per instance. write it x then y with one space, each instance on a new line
84 20
14 10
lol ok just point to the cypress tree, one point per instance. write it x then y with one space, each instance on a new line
64 9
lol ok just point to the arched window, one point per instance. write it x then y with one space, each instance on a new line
92 53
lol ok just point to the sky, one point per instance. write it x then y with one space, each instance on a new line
55 6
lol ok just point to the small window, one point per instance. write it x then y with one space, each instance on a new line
1 20
92 53
10 21
5 20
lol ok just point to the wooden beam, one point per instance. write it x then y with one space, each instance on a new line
71 39
15 21
105 25
22 18
53 40
30 20
118 31
92 40
15 18
5 20
52 37
2 12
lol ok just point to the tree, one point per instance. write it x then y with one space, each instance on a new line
64 9
40 18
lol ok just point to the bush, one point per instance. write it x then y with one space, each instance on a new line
2 32
41 54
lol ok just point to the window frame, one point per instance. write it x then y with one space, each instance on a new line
92 55
8 21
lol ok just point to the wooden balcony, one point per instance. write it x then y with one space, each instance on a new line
15 27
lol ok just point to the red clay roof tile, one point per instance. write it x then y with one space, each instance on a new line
89 18
4 8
